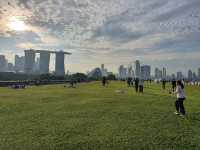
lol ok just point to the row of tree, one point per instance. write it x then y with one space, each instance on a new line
78 77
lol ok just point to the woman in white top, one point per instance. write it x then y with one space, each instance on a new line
180 98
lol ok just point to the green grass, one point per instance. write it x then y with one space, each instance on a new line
97 118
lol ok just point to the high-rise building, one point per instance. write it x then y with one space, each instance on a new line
194 76
3 63
130 71
158 73
122 72
11 67
137 69
103 71
173 77
179 76
29 61
146 72
164 73
190 75
19 63
199 73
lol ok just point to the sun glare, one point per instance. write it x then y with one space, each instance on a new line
17 24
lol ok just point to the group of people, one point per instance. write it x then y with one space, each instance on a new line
137 83
18 86
177 88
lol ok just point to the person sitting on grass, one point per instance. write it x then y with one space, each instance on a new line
180 109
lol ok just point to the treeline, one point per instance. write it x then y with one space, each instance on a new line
78 77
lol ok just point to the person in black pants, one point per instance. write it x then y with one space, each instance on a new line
163 84
180 109
173 85
136 84
104 81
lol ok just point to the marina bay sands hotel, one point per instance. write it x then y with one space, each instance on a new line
44 61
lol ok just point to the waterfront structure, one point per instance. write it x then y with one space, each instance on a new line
44 61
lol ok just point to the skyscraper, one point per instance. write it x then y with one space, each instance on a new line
179 76
19 63
10 67
130 71
103 71
137 69
190 75
194 76
164 73
3 63
146 72
158 73
122 72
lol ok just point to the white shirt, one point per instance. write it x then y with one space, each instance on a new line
180 92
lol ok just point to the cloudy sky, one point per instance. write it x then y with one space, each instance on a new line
113 32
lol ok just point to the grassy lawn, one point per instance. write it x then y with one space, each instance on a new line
97 118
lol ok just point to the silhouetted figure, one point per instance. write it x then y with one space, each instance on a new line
173 85
136 84
72 84
104 81
141 86
163 84
129 82
180 98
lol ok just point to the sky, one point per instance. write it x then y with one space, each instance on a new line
162 33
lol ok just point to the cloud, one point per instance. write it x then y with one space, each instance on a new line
100 29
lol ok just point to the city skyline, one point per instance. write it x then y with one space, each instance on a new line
18 64
160 33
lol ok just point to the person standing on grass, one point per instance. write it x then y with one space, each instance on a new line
136 84
163 84
180 109
173 85
104 81
141 86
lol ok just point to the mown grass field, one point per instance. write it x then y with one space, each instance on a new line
92 117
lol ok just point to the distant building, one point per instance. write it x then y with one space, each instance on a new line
194 76
19 63
173 77
146 72
36 67
122 72
11 67
130 71
199 73
137 69
3 63
164 73
179 76
104 71
190 75
158 73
